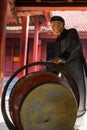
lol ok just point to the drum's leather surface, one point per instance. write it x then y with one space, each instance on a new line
49 106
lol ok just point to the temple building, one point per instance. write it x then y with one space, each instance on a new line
26 36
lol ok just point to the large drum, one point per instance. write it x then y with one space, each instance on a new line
43 100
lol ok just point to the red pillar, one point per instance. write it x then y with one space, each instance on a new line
35 47
44 51
3 14
24 42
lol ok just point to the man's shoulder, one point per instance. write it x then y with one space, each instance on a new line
72 31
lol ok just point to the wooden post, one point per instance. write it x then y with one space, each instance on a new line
3 14
36 42
24 42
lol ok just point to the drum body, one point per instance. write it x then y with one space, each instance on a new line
42 100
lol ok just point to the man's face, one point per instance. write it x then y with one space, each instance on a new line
57 27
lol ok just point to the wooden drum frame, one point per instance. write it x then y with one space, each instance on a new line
30 83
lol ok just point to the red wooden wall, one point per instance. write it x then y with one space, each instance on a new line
11 56
12 53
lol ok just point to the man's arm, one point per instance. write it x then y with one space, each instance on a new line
74 49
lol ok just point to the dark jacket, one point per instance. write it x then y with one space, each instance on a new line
69 48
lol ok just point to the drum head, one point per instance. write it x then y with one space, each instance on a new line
49 106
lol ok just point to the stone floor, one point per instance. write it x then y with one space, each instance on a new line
2 123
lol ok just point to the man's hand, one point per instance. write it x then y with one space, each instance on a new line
56 60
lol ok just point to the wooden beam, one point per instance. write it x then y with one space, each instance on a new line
50 4
47 15
70 0
22 9
42 35
38 0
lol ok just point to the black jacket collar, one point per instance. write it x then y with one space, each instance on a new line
63 34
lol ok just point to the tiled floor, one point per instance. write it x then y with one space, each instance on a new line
81 122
